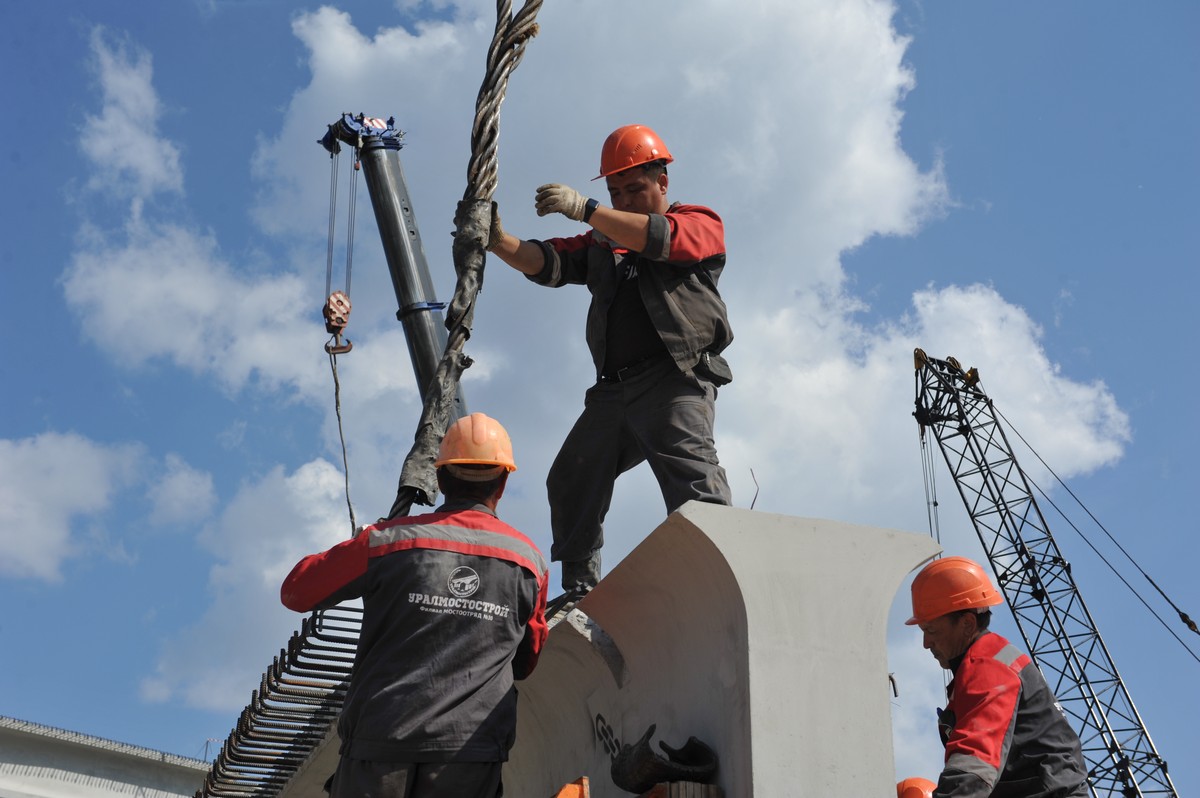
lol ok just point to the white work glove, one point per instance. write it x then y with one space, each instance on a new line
557 198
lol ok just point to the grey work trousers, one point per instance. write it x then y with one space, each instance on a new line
659 415
360 778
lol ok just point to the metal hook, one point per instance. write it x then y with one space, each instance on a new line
336 347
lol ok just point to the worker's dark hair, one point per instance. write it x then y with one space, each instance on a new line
983 617
455 488
655 168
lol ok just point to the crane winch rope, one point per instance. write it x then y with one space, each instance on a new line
337 305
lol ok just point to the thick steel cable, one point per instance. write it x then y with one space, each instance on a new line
928 474
418 480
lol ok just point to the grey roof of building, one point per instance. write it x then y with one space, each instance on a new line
51 732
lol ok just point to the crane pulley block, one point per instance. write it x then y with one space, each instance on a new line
337 316
362 131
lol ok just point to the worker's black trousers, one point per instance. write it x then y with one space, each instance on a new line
661 416
357 778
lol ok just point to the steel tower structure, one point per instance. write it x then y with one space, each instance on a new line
1036 580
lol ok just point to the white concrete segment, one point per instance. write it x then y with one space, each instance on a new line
763 635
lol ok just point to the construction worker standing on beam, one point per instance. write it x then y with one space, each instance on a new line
453 611
1005 734
656 328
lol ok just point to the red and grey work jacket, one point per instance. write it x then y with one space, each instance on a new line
453 610
1004 731
677 277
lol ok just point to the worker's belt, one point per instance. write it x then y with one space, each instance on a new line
635 368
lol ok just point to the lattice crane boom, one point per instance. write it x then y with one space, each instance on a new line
1036 580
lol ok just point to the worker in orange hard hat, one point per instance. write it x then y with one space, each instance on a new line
915 787
453 611
1004 731
656 329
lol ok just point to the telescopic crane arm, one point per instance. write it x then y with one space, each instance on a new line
377 143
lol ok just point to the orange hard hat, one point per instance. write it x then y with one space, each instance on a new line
629 146
915 787
949 585
476 440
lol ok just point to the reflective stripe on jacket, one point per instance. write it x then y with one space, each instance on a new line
453 610
1004 731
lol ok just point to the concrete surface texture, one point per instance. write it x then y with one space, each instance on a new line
762 635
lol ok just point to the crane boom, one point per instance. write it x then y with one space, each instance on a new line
378 145
1036 579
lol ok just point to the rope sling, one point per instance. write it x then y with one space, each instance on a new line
418 479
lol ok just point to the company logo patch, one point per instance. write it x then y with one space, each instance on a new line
463 581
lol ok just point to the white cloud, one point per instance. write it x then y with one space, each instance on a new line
822 412
163 291
129 156
181 494
416 73
48 484
214 663
160 289
1078 427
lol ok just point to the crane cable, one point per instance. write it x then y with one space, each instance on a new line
931 500
928 473
1187 621
337 306
333 176
473 221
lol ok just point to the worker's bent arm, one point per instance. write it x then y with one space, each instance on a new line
629 230
986 697
329 578
524 256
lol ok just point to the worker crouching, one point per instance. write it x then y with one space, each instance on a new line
1005 734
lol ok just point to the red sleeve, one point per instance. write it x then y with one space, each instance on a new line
696 233
985 704
318 576
535 634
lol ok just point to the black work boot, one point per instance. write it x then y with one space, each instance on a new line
581 574
578 579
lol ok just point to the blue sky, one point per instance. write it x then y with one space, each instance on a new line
1014 185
